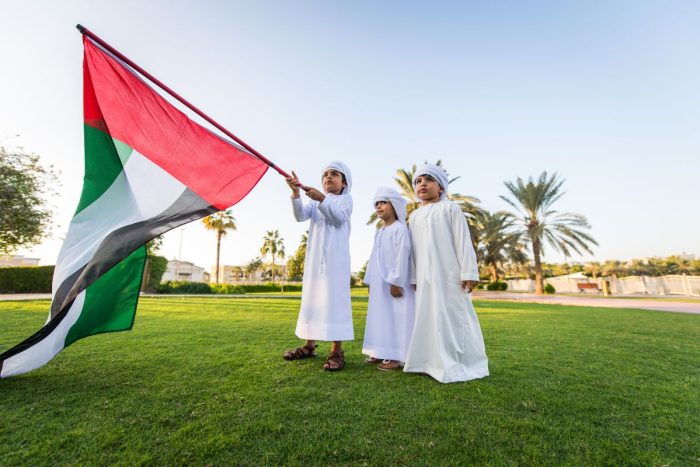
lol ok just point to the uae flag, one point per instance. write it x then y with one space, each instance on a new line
148 169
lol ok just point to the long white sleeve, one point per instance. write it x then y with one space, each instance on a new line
336 209
301 212
371 269
469 270
399 274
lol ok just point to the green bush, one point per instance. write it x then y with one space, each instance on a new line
549 288
497 286
173 287
227 289
202 288
31 279
270 287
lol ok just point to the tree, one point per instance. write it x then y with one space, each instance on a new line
295 265
220 222
498 241
155 265
564 232
273 245
404 180
25 217
593 269
252 267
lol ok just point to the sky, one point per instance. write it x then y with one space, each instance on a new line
604 93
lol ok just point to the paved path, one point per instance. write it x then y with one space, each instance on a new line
638 303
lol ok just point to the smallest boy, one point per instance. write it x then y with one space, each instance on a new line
390 312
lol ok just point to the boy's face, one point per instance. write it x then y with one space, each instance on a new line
428 189
385 211
332 181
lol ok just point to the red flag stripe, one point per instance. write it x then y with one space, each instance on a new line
216 170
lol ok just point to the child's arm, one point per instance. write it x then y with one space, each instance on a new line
336 209
411 261
398 277
301 212
469 271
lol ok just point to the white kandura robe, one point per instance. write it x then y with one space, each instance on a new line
326 312
389 320
447 342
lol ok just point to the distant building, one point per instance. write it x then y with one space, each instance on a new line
184 271
237 274
17 260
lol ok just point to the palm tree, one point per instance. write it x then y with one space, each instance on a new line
539 222
252 267
593 268
274 246
404 180
498 241
221 223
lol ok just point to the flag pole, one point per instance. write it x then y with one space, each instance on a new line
85 31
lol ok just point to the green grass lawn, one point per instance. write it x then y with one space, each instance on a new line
201 381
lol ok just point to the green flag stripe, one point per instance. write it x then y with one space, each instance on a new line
104 161
110 302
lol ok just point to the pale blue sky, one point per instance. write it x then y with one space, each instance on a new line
603 92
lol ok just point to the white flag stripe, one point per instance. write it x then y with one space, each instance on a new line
40 353
140 192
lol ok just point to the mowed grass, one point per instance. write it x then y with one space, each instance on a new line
201 381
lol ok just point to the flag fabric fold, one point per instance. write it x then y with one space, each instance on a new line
148 169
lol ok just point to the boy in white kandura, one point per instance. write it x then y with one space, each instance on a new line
326 312
447 343
390 311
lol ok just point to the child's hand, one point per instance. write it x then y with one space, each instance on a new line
294 184
469 285
395 291
313 193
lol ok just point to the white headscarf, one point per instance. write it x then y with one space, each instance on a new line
394 197
342 168
437 173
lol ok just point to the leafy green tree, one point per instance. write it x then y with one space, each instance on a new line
237 272
295 265
220 222
155 265
25 217
540 223
252 267
273 245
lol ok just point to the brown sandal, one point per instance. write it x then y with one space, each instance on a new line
335 361
390 365
299 353
372 360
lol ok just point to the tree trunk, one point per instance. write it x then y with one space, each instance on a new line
273 268
218 249
539 280
494 272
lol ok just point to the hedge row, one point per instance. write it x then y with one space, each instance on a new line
27 279
202 288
